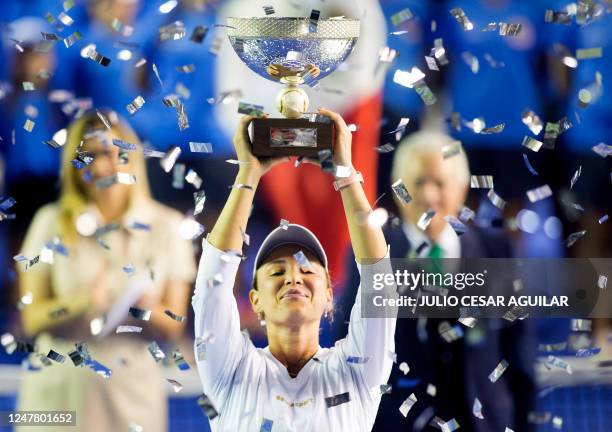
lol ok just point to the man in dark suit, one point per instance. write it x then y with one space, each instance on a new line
448 377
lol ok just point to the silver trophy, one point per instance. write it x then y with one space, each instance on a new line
292 51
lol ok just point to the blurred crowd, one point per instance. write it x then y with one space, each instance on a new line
60 60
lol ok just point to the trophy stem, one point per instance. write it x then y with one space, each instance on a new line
291 100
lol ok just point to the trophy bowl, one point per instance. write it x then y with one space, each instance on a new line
292 51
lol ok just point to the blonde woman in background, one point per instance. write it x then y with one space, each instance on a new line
74 290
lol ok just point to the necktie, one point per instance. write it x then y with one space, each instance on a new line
435 254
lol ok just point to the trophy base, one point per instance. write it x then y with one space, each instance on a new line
277 137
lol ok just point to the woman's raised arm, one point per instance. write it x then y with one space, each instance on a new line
368 242
226 233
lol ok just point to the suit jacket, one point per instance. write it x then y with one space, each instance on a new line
459 370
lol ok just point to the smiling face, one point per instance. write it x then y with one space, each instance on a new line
287 294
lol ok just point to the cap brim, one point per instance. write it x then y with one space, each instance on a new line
294 234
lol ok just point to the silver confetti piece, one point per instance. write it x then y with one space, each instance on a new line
458 226
407 404
300 258
603 219
199 198
532 143
198 34
401 17
241 186
450 150
602 149
553 361
70 40
314 21
385 148
493 129
386 55
129 270
135 105
481 182
339 399
575 177
284 224
186 69
425 93
207 407
506 29
28 86
167 162
431 63
588 352
29 125
119 27
602 282
589 53
194 179
496 200
498 371
56 357
477 409
97 57
581 325
172 31
269 10
179 360
200 147
176 386
490 27
539 193
404 368
472 61
468 321
128 329
156 352
561 346
178 176
438 52
250 109
425 219
65 19
450 425
141 314
408 78
555 17
462 19
466 214
573 238
401 192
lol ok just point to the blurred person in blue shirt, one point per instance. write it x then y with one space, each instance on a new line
186 69
507 78
120 81
31 167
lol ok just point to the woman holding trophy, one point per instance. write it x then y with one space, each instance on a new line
293 383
